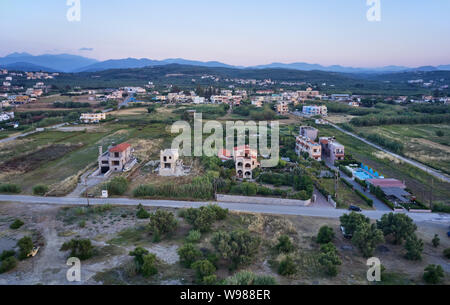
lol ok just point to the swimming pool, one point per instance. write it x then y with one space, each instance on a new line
362 175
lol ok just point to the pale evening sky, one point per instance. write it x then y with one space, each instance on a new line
245 32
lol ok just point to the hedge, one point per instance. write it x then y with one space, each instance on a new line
365 198
10 188
346 171
346 182
361 182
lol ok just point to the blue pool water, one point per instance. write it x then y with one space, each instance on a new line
362 175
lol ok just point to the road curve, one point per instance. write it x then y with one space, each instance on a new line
419 165
238 207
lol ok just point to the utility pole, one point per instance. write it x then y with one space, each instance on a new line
86 192
431 193
336 181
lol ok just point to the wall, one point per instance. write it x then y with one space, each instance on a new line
261 200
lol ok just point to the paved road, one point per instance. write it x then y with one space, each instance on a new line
126 101
423 167
29 133
240 207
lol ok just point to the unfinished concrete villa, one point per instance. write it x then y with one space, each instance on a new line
118 158
170 163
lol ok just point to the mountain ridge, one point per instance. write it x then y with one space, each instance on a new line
74 64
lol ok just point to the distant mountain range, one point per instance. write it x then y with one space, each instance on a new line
74 64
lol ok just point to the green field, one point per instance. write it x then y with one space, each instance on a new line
416 180
421 142
26 157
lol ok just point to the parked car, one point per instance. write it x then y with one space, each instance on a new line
348 236
355 208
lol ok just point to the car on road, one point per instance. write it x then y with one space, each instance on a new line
354 208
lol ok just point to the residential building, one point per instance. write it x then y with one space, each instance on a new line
332 149
283 108
230 100
170 165
6 116
309 132
305 144
308 93
315 110
198 100
117 158
92 117
340 97
245 158
258 101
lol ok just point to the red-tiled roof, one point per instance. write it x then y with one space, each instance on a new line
120 148
387 183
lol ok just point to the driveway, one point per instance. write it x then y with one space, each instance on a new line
377 204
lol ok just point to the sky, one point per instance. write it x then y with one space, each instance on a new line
246 32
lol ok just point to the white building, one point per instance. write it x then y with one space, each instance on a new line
6 116
92 117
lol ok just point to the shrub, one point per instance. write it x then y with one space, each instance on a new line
287 267
329 259
325 235
249 278
433 274
352 221
10 188
188 254
220 213
441 208
149 265
81 248
145 262
447 253
414 248
366 238
162 223
8 264
25 245
204 269
284 244
436 241
16 224
40 189
142 213
302 195
239 246
7 253
117 186
193 236
201 218
399 226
